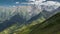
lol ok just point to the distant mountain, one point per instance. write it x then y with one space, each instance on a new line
45 14
28 12
21 19
25 15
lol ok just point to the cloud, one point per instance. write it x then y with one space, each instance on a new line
49 5
45 5
17 2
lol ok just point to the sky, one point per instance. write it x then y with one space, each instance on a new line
13 2
10 2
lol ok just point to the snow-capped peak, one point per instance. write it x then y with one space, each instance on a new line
49 5
28 12
46 5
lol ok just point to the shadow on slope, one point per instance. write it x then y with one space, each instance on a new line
12 21
50 26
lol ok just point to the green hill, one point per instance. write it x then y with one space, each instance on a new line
50 26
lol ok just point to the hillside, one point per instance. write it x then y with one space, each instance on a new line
30 17
50 26
36 26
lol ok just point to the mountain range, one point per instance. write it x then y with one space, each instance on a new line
24 16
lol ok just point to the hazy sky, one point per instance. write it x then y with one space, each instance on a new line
13 2
10 2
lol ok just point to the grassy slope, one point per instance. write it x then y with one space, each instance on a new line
21 30
50 26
